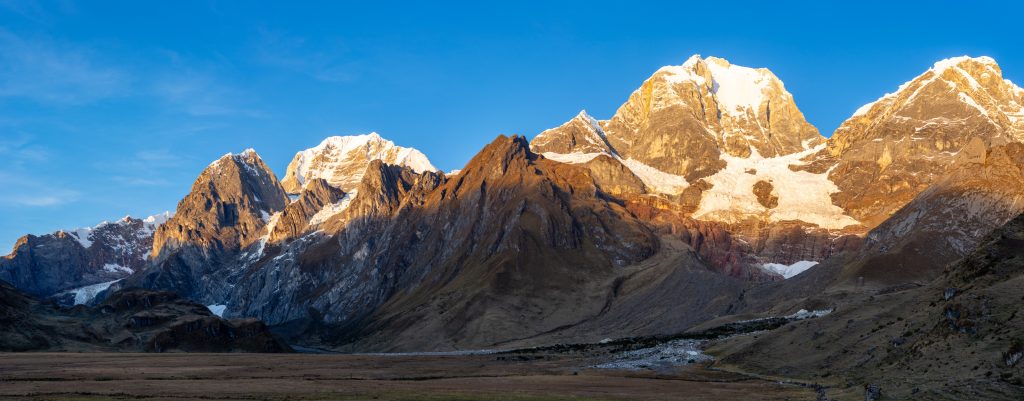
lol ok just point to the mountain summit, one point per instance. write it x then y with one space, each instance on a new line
341 160
893 148
683 118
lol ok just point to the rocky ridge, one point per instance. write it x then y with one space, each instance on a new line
133 320
65 260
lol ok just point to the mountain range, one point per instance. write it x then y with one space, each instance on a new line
706 197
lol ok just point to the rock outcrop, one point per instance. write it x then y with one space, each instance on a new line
227 210
512 228
49 264
317 199
891 150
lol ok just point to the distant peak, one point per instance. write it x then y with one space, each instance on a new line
342 160
158 218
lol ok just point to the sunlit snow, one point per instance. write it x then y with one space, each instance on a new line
336 148
333 209
802 195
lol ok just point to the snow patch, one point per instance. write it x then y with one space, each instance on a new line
802 195
84 236
333 209
84 295
572 158
788 271
657 180
970 101
217 309
116 268
862 110
737 88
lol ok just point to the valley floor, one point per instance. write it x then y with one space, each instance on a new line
117 376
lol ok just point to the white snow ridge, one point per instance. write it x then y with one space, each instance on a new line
328 159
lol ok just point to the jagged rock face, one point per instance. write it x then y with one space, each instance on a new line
341 160
46 265
582 134
227 208
327 268
512 227
894 148
316 195
132 320
684 117
515 230
382 190
947 220
614 178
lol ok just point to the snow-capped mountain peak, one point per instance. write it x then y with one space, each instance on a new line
737 89
961 88
341 160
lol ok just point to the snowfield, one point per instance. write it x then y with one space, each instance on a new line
788 271
84 295
802 195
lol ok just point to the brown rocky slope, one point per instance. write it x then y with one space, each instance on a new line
957 337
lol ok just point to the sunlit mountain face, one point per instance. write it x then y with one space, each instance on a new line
694 230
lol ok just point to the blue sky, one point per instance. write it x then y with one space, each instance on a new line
113 108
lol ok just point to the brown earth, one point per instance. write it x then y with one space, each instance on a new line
95 376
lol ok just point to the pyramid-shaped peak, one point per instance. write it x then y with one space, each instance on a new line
581 134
